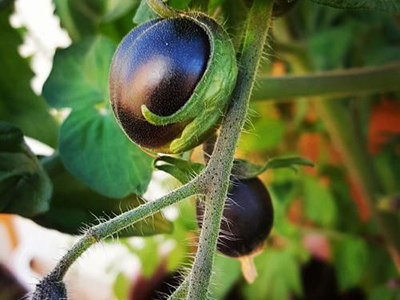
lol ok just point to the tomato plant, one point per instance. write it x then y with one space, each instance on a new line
277 117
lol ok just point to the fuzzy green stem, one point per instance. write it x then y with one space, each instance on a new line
333 83
217 173
112 226
181 292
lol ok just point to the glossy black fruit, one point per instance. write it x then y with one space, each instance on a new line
166 76
248 218
167 58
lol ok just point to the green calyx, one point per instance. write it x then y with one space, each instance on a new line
204 109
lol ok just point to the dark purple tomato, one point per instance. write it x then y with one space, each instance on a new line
247 218
157 64
158 286
319 281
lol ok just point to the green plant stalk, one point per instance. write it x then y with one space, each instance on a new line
333 83
216 176
360 165
181 292
96 233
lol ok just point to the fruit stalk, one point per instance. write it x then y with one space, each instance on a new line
215 178
114 225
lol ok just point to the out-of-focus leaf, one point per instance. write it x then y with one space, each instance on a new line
233 15
350 257
328 47
391 6
380 268
121 286
92 146
144 13
80 17
149 256
384 293
18 103
213 4
179 4
350 213
226 272
79 77
278 276
75 206
267 133
184 226
25 188
96 151
117 8
319 204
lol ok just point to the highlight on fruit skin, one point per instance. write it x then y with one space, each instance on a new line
247 221
170 81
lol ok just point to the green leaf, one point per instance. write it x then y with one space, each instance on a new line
213 4
384 293
243 169
121 286
328 47
268 132
351 258
118 8
144 13
79 77
97 152
92 146
181 169
227 272
80 17
319 202
25 188
278 276
391 6
74 206
179 4
149 256
18 103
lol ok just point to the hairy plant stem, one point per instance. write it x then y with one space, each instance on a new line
330 83
112 226
181 292
217 173
213 182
